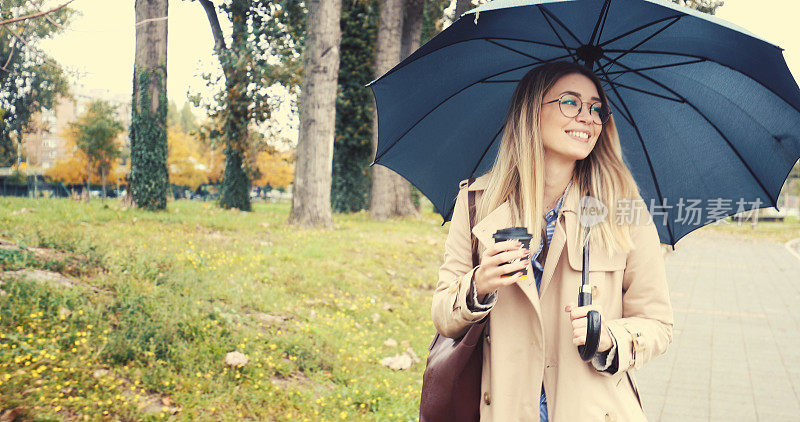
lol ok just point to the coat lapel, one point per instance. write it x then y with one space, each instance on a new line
498 219
565 228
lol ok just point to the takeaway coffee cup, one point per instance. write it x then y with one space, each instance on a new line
516 233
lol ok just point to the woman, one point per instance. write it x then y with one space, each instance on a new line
559 144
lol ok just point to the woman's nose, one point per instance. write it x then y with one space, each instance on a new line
584 115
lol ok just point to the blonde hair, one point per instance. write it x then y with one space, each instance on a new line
517 173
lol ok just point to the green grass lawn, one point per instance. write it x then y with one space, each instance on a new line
158 299
149 305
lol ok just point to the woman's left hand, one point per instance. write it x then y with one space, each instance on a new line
578 317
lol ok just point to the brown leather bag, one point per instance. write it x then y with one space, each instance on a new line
451 384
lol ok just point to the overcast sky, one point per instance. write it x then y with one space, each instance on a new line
100 43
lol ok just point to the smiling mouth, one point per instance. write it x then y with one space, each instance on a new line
578 135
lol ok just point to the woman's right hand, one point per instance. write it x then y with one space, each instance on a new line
495 264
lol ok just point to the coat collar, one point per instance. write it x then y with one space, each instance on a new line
500 218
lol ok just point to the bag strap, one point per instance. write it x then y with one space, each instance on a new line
474 240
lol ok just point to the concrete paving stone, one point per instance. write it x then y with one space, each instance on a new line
654 386
774 371
778 417
650 390
670 417
683 415
778 386
699 374
732 396
731 385
733 413
695 398
731 361
653 401
731 388
652 415
727 365
777 402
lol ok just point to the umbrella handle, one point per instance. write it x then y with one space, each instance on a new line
588 349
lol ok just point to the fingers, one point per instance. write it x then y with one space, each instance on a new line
582 311
506 245
508 257
504 252
509 268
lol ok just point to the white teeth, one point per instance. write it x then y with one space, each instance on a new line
583 135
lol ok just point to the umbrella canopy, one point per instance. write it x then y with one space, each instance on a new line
708 114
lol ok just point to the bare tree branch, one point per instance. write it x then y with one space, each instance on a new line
33 50
49 19
211 12
34 15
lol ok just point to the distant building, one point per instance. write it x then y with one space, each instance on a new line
44 143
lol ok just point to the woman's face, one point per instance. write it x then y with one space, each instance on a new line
569 138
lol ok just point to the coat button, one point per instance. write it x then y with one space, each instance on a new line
487 398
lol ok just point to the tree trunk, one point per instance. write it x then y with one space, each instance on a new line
88 177
149 177
311 194
235 192
412 27
390 194
461 7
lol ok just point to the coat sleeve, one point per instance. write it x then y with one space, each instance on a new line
449 311
645 329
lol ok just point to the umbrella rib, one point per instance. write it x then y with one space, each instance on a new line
558 21
641 42
646 156
645 26
603 26
514 50
641 90
453 95
402 65
553 28
602 17
747 166
621 72
672 53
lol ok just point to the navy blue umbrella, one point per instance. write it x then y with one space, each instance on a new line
705 110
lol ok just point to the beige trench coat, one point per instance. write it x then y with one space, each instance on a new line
529 339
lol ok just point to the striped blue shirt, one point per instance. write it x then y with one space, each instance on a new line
550 227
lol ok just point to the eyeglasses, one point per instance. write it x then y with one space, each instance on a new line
571 106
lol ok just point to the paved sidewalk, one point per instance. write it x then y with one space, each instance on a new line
735 354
